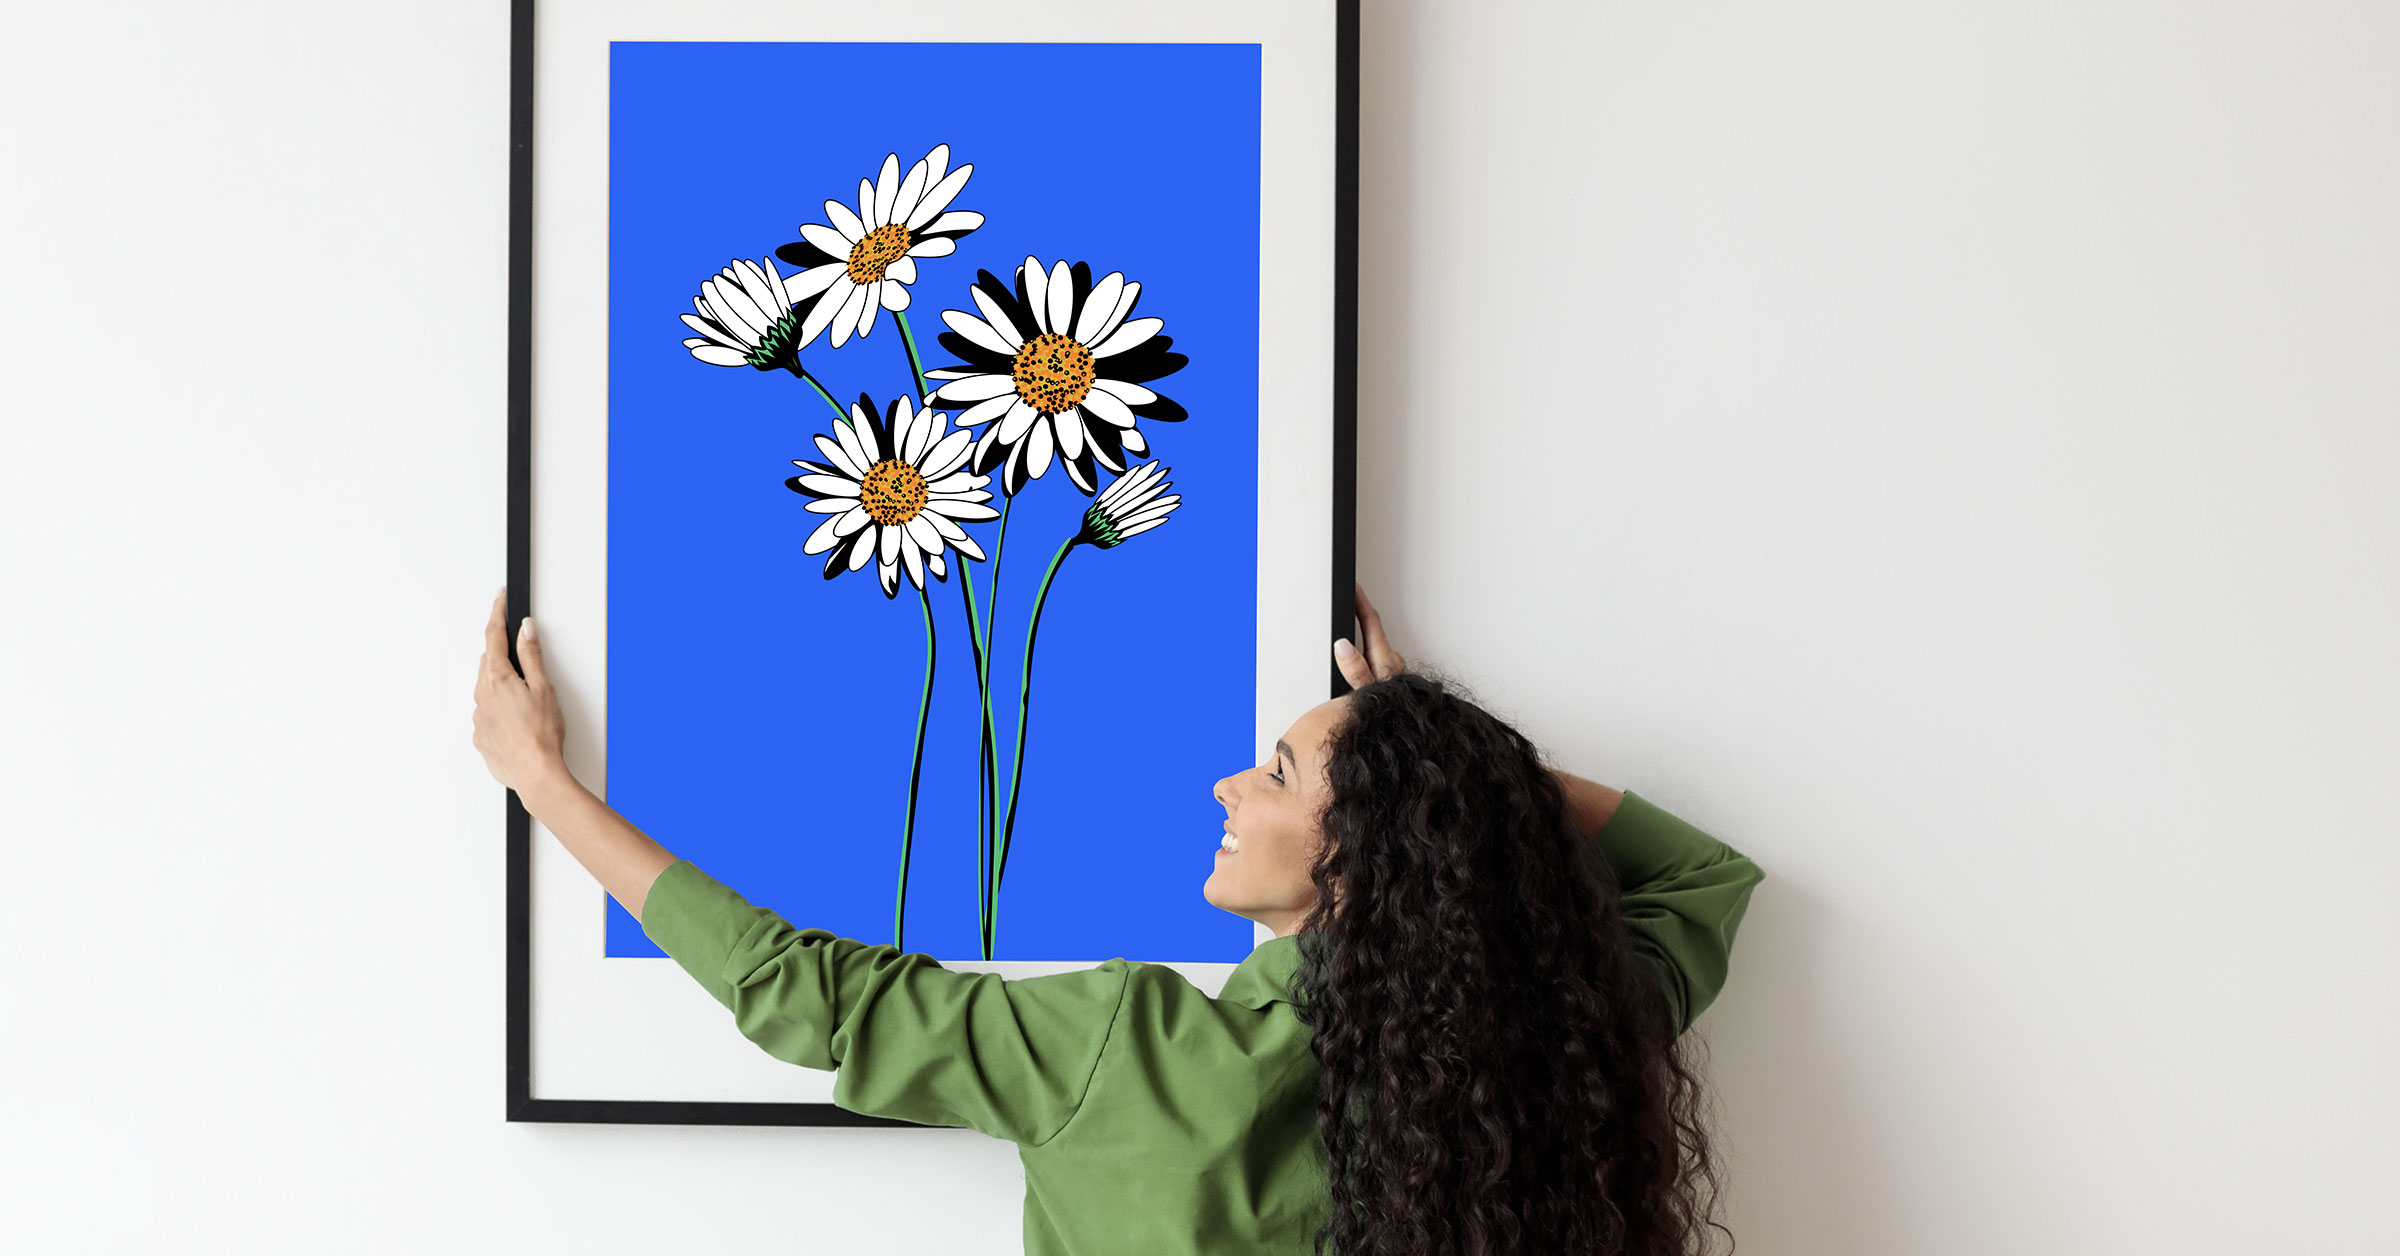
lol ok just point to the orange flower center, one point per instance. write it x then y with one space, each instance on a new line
892 493
882 247
1053 372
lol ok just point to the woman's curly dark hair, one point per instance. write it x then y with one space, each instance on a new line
1497 1076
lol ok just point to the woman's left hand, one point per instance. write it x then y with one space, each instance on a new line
517 722
1380 661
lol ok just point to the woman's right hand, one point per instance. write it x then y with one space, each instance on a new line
1380 661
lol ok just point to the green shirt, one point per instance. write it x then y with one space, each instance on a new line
1150 1117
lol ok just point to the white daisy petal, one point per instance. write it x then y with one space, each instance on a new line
947 453
860 551
889 576
814 280
887 545
942 523
756 286
1130 394
937 163
845 319
822 539
887 187
921 530
827 239
1037 450
986 410
966 545
866 203
1125 302
912 190
973 328
976 388
718 355
912 559
743 318
934 560
1020 417
1108 408
828 505
869 307
903 269
845 222
856 441
1155 510
939 246
1062 297
963 486
1128 336
1070 433
1002 325
839 457
970 512
938 197
895 293
710 330
853 521
957 220
1037 294
1099 305
1124 534
1013 468
820 316
916 436
835 485
1135 442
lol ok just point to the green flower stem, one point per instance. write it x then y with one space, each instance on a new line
1024 713
916 768
986 772
992 741
914 363
991 606
817 384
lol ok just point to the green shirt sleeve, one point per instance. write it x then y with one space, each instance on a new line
1683 892
906 1037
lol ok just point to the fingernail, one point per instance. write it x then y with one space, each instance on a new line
528 626
1343 649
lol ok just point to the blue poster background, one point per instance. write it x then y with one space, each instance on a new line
761 717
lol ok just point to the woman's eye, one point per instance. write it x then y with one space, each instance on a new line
1277 774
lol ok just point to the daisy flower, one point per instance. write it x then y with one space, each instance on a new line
865 261
896 489
1129 507
1055 365
748 315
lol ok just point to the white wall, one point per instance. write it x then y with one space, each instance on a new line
1971 434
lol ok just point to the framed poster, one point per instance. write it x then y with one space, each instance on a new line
930 434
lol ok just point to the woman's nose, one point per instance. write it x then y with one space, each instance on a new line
1224 792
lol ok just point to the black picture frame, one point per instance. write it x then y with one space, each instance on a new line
521 1105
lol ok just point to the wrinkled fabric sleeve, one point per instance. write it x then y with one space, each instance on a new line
904 1036
1684 893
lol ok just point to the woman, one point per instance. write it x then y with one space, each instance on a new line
1463 1036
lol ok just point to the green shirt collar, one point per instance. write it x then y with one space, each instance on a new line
1264 976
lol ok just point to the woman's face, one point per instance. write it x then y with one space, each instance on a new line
1271 833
